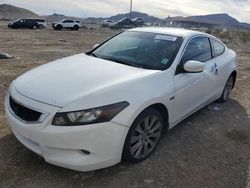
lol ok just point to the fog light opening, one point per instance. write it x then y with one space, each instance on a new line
85 151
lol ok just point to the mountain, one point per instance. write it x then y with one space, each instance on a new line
145 16
9 12
224 20
118 17
58 17
219 19
94 20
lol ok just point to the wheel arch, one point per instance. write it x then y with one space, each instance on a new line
162 109
234 74
164 112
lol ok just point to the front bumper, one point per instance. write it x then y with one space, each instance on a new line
62 146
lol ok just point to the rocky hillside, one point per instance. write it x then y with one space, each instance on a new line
59 17
145 16
217 19
9 12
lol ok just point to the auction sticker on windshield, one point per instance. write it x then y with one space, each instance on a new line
165 37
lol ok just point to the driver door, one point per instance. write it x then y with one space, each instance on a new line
194 90
66 23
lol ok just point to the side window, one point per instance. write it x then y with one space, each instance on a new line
218 48
198 49
40 20
65 21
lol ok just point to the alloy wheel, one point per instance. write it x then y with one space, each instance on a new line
145 137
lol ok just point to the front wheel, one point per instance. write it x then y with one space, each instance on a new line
143 136
59 27
227 90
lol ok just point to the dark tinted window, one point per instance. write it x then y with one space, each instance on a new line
198 49
31 21
218 48
39 20
68 21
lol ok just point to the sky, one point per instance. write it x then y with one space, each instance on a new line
240 9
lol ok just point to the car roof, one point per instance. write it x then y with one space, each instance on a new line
169 31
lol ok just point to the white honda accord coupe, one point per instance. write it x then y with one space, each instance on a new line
95 109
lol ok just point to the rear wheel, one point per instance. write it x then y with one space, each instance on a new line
41 26
76 27
34 27
143 136
227 90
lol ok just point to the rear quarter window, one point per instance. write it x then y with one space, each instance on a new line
218 48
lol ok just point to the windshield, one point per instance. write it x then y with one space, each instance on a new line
140 49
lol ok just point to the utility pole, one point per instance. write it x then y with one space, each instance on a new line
131 5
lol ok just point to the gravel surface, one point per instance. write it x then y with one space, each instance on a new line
209 149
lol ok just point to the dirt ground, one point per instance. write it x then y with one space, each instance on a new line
209 149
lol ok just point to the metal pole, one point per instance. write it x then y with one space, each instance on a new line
131 2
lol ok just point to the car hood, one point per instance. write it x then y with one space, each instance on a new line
66 80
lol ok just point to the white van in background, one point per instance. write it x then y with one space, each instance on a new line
41 22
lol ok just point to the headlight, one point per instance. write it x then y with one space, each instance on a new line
90 116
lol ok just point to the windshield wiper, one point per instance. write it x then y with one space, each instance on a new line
123 62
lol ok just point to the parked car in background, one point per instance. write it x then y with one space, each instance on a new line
125 23
82 25
138 21
120 97
42 22
108 23
24 23
67 24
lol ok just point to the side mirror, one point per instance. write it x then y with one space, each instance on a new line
96 45
194 66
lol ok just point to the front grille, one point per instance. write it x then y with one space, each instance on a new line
23 112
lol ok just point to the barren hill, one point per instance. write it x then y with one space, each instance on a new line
10 12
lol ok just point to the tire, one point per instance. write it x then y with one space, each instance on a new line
142 140
41 27
58 27
34 27
227 90
76 27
